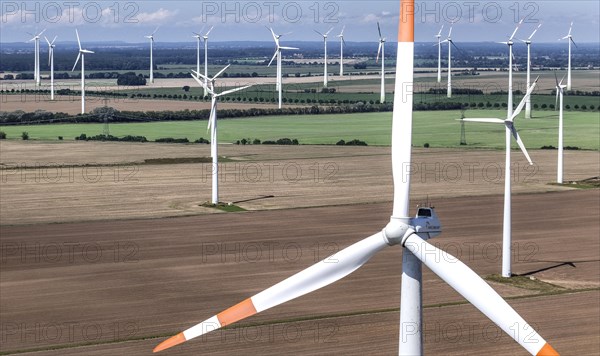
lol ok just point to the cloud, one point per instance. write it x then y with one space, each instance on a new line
155 17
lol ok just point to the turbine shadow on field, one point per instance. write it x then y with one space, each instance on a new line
254 199
557 264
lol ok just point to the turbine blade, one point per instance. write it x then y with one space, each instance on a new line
556 78
202 84
54 40
519 107
516 29
328 32
379 52
570 29
156 29
343 29
209 31
534 31
450 32
234 90
313 278
319 33
221 72
274 56
78 41
39 34
440 33
485 120
510 126
76 61
563 78
474 289
556 101
290 48
574 42
379 29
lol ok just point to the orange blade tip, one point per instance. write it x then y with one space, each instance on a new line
172 341
547 350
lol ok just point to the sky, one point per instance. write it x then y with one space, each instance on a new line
129 21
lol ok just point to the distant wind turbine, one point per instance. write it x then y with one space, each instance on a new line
439 38
528 43
278 49
51 64
450 44
569 39
82 53
325 74
198 38
381 51
205 38
36 69
511 56
209 85
151 38
560 92
342 44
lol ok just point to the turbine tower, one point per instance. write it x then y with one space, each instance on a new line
560 92
205 38
528 43
409 233
381 51
342 44
569 39
325 74
209 84
450 44
439 39
82 53
51 64
151 38
278 49
36 69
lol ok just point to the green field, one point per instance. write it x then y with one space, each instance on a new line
438 128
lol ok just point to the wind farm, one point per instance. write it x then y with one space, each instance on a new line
205 207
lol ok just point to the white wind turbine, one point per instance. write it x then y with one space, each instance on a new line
381 51
209 85
560 92
198 38
528 43
511 56
510 131
439 39
278 49
410 233
82 53
342 44
569 39
325 74
36 69
51 63
205 38
151 38
450 44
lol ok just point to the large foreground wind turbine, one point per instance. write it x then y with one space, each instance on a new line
569 39
511 56
560 92
277 55
82 53
381 51
450 44
205 38
325 74
342 44
439 44
151 38
528 43
209 85
410 233
51 64
36 69
511 131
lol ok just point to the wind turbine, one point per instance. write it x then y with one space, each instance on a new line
82 53
325 75
528 43
278 49
560 92
51 63
381 51
198 38
569 39
36 69
450 44
511 56
439 38
342 44
209 85
205 38
510 131
151 38
410 233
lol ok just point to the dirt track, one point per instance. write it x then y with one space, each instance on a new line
136 279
